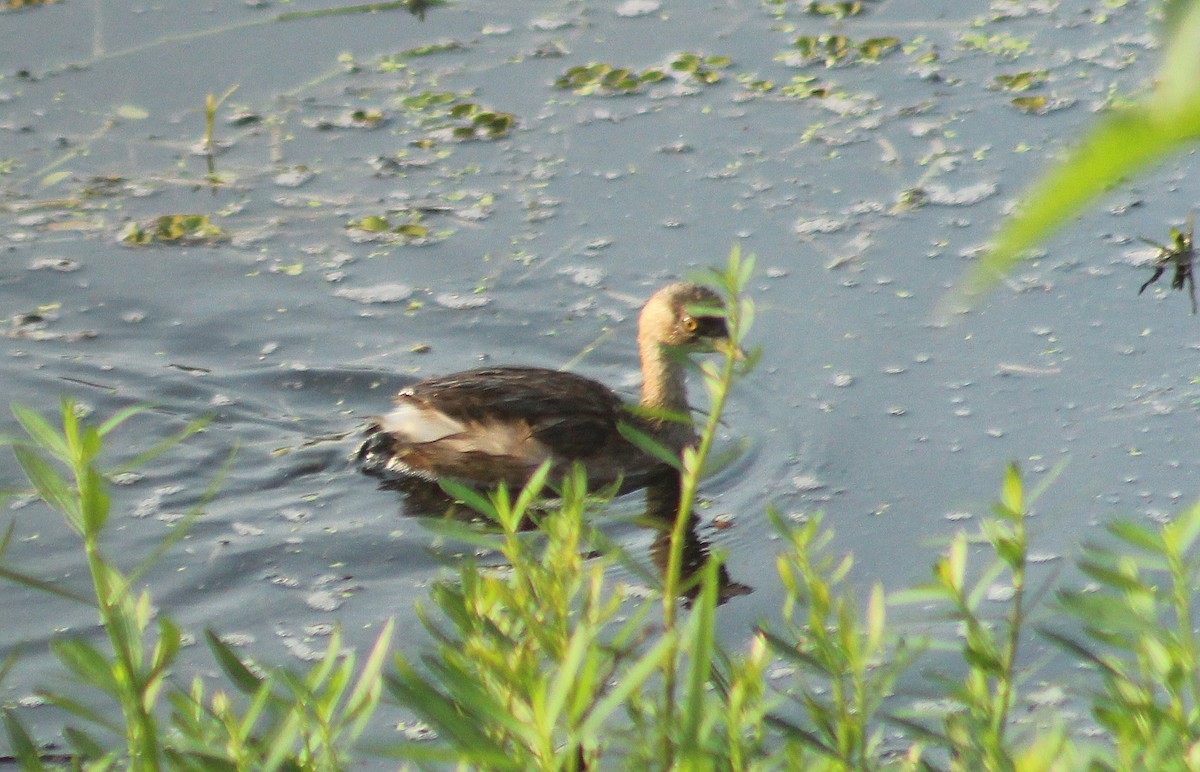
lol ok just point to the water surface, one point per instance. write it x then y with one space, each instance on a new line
537 247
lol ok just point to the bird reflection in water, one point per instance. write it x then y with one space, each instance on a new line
423 498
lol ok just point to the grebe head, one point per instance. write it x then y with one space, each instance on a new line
686 317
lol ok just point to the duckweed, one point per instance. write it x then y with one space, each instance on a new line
180 229
1021 81
834 50
606 80
600 78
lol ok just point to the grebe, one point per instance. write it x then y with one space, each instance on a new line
499 424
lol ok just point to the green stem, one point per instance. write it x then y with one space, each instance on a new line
1180 588
689 485
142 731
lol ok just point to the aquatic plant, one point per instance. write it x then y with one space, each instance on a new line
605 79
213 103
540 662
599 78
181 229
833 50
13 5
464 120
534 663
298 721
1140 636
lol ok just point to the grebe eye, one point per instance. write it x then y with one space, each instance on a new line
689 324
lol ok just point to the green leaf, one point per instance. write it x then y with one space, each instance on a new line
584 640
23 746
1076 650
469 496
1137 535
365 696
170 638
649 445
86 662
1106 614
234 669
41 432
1120 145
93 502
110 720
630 681
921 595
39 584
49 485
1113 579
1175 92
699 641
163 446
1183 531
803 736
1012 495
876 617
444 714
9 663
84 745
532 489
120 417
791 652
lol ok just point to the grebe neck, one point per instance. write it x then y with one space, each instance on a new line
663 379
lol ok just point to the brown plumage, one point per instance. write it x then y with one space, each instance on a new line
498 424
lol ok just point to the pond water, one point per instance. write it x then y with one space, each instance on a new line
865 189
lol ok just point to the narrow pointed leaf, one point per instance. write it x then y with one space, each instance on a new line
699 637
413 692
84 744
1137 535
237 672
805 737
120 417
23 746
1119 145
469 496
110 720
630 681
86 662
163 446
1185 529
365 695
41 432
649 445
38 584
48 484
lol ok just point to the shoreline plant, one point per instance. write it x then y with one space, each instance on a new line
539 661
